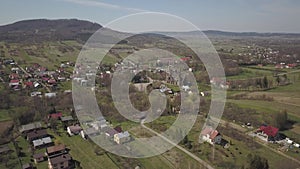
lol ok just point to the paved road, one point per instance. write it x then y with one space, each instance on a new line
203 163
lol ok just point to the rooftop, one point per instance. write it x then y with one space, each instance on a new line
37 133
269 130
53 149
60 159
38 155
42 141
30 126
66 118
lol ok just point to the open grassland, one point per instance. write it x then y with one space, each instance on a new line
251 73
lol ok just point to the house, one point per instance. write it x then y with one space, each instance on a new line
15 69
210 135
51 82
186 88
58 157
185 59
14 82
55 115
110 133
63 161
88 132
28 84
269 132
66 118
57 150
119 129
50 95
33 94
14 76
74 130
36 84
99 125
39 157
30 127
39 143
27 166
121 138
36 134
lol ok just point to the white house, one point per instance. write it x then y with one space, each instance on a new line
121 138
49 95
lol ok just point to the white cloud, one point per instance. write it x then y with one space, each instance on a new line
104 5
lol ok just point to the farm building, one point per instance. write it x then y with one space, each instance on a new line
211 136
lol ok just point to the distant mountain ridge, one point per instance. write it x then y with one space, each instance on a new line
48 30
40 30
224 33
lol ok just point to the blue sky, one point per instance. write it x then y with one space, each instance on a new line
227 15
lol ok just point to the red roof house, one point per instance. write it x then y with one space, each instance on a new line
14 82
55 115
269 130
118 129
185 59
28 84
211 136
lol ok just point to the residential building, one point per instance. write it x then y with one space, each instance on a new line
37 134
210 135
39 157
269 132
63 161
121 138
30 127
74 130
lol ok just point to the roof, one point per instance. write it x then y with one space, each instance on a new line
185 58
50 94
56 148
269 130
214 134
207 130
30 126
29 84
14 81
75 129
210 131
55 115
123 135
27 165
38 155
66 118
111 132
118 129
60 159
37 133
42 141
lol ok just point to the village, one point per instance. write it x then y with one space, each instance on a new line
42 142
43 129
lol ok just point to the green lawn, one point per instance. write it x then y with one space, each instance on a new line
83 151
250 73
4 115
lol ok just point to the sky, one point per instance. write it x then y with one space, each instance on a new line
226 15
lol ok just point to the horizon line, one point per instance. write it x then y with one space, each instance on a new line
204 30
